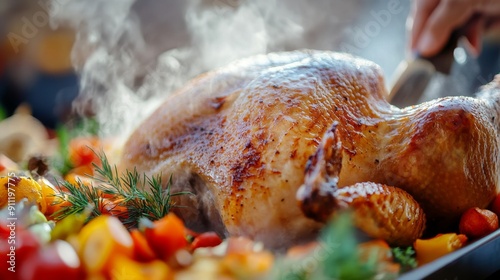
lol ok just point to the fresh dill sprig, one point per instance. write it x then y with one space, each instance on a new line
80 197
142 196
405 257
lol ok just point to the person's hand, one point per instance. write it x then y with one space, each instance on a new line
435 20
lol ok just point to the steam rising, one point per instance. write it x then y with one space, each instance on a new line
106 55
131 54
224 33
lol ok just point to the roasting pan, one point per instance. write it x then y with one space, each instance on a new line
478 260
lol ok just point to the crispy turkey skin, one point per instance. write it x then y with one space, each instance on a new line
240 139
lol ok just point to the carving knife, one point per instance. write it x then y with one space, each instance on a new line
414 75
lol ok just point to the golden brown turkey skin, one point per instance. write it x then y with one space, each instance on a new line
239 138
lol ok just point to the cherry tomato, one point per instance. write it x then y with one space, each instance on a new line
57 261
206 239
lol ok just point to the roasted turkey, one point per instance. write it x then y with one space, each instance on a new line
273 145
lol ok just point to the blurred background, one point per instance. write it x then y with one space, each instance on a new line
64 58
35 64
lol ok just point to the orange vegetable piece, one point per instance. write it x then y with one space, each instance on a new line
22 187
126 268
101 241
81 151
427 250
53 202
83 170
142 250
73 179
47 188
112 207
244 265
166 236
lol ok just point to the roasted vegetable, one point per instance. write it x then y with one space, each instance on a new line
14 189
142 249
101 241
428 250
206 239
165 236
476 223
57 261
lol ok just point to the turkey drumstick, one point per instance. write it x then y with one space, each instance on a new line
381 211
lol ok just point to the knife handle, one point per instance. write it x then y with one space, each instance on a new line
444 59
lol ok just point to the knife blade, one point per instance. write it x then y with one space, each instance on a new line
414 75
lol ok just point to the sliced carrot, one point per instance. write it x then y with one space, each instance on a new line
166 236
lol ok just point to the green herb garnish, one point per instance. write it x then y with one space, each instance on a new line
405 257
142 196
